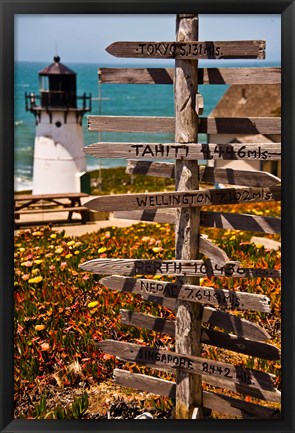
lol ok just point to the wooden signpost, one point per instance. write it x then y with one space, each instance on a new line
222 220
197 268
184 199
189 50
170 361
191 151
193 303
207 125
202 294
206 174
265 75
213 338
221 403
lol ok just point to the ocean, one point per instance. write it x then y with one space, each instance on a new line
107 99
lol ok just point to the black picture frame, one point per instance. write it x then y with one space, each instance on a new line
8 9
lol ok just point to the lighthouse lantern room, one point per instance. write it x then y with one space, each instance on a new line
59 161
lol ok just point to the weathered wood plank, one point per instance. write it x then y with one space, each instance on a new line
241 327
189 50
206 174
147 321
171 361
228 221
156 215
212 251
262 394
208 336
242 409
232 221
240 345
190 292
207 125
260 75
151 168
267 243
191 151
197 268
143 382
184 199
218 402
188 325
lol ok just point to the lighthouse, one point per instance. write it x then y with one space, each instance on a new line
59 161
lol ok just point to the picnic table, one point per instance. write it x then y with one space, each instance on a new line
44 203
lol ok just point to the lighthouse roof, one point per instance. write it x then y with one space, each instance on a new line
57 68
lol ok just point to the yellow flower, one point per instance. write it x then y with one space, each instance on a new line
38 233
35 271
232 238
38 261
259 246
28 264
59 250
92 304
36 279
69 255
70 243
39 327
157 249
53 236
77 252
22 250
102 249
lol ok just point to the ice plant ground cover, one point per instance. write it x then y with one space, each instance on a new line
61 310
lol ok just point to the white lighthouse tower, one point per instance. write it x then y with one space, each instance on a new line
59 161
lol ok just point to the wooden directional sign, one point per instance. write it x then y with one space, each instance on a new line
193 151
189 50
206 174
207 125
241 327
222 220
187 199
171 361
265 75
192 293
208 336
211 400
175 267
232 221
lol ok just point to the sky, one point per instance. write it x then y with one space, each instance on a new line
83 38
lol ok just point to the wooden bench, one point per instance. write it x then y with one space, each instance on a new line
44 203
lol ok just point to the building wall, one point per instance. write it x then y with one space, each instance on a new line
58 157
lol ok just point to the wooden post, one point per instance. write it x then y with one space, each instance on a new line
188 315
